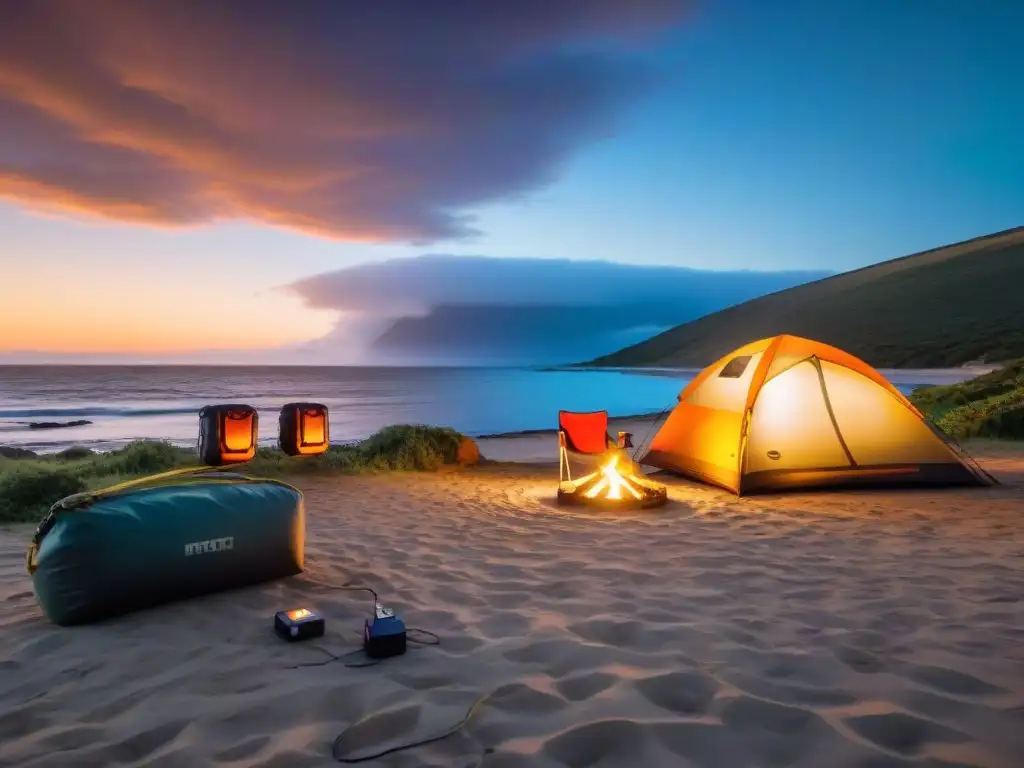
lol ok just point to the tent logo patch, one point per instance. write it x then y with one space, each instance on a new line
210 545
774 455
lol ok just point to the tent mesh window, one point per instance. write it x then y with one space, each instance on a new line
734 368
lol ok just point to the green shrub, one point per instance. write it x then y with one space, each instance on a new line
144 457
401 447
991 405
28 487
412 446
27 493
75 453
341 458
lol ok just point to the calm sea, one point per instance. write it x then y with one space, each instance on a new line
162 402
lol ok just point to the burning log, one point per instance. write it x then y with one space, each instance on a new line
613 488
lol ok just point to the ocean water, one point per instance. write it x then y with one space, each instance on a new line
162 402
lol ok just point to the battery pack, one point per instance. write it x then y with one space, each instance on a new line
384 636
298 624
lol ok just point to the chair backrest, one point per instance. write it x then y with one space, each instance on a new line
585 432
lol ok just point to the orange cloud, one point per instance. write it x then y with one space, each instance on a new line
368 121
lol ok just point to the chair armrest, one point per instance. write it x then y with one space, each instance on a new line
625 440
561 439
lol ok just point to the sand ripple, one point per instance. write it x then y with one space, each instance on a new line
828 631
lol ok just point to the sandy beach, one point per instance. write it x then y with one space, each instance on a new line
867 629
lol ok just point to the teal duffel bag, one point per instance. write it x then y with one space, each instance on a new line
167 537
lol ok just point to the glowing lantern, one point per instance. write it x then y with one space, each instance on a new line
304 429
227 434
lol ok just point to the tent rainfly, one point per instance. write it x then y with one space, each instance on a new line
787 412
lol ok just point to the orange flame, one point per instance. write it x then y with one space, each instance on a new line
612 483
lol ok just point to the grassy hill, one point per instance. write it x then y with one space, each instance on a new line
943 307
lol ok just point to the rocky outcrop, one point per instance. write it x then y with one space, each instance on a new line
468 453
57 424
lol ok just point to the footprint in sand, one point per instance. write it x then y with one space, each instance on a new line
796 694
859 660
539 651
776 733
951 681
942 708
749 714
612 742
521 698
903 733
502 624
581 687
140 745
423 682
621 633
685 693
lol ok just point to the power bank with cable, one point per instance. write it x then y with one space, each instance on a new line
384 636
298 624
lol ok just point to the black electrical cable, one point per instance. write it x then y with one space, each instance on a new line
341 758
333 658
430 639
414 635
346 587
433 639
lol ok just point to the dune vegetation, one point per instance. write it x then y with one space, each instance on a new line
991 405
30 486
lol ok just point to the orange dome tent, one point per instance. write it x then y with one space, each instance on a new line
787 412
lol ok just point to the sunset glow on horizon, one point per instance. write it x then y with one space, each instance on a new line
157 204
135 317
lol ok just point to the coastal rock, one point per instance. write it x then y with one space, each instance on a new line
10 452
468 453
57 424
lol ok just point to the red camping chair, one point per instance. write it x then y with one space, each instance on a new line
585 434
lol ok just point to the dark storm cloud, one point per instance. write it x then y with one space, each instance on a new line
356 120
459 309
412 286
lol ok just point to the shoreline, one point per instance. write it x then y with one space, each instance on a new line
114 434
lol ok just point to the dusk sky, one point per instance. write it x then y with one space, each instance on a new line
174 176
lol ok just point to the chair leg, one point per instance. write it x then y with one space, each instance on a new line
564 472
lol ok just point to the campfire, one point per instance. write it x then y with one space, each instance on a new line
612 486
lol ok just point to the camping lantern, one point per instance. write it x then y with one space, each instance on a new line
227 434
303 429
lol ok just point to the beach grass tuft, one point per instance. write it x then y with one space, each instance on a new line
28 487
991 405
